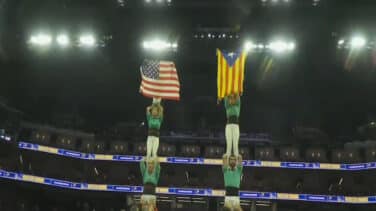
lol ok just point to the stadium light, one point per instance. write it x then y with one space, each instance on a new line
159 45
291 46
87 40
63 40
249 45
121 3
281 46
341 42
358 42
278 46
41 39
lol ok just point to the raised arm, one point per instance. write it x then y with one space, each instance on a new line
238 100
225 161
157 168
240 160
240 163
162 110
148 110
142 166
225 100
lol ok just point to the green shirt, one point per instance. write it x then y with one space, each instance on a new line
232 110
150 178
232 178
154 122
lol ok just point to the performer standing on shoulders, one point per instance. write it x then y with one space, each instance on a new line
232 105
232 172
150 167
150 171
159 80
230 81
154 115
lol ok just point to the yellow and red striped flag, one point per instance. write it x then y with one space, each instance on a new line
230 74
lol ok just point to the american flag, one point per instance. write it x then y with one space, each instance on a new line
160 80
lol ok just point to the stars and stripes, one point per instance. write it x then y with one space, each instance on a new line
160 80
230 75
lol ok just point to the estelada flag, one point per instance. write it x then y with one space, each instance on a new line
230 76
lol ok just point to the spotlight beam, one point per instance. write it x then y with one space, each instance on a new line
41 39
63 40
358 42
159 45
280 46
249 45
87 40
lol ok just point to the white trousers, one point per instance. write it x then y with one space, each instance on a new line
232 139
152 145
232 201
148 199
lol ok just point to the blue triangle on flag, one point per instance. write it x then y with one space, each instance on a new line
231 57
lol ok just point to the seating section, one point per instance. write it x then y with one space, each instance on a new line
139 148
289 154
214 151
258 179
245 152
100 147
166 149
316 155
265 153
370 154
87 146
66 142
190 151
354 152
41 137
119 148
